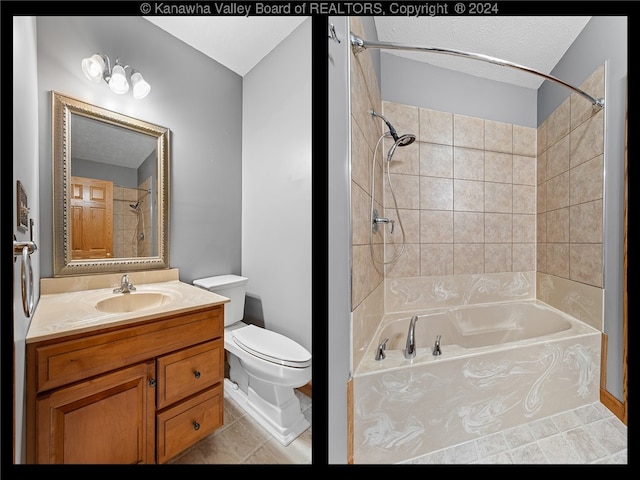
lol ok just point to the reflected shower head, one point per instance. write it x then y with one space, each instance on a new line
135 205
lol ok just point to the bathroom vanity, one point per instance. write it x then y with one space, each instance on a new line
112 386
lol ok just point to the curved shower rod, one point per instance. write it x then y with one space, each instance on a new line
360 44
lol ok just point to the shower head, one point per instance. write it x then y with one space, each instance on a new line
135 206
400 141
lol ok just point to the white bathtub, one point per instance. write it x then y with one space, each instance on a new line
477 326
502 365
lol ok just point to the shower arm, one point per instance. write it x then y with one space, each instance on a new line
360 44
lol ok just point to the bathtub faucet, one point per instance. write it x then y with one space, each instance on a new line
410 350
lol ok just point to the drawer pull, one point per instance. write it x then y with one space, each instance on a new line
196 374
196 426
152 382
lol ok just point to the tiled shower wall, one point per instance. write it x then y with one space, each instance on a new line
477 197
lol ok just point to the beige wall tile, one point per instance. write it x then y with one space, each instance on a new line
497 257
524 170
498 228
404 159
524 199
406 189
468 132
468 196
541 168
468 164
436 193
558 157
436 160
541 137
436 259
524 141
558 259
558 225
404 118
541 198
410 223
436 226
586 222
361 158
541 227
360 215
468 227
468 258
524 257
436 127
498 197
586 263
558 192
558 123
408 265
541 257
498 167
586 181
587 140
524 228
498 136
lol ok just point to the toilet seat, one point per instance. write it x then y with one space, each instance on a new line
271 346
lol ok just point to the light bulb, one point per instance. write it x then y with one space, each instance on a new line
93 67
118 81
140 87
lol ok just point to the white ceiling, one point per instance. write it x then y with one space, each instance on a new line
537 42
534 42
238 43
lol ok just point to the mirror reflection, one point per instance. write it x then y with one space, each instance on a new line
110 190
113 178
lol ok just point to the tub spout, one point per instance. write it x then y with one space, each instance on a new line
410 349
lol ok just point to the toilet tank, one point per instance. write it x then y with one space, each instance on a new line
233 287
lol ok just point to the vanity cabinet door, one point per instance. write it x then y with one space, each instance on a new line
107 419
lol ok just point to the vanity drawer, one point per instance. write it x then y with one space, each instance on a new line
59 363
188 422
188 371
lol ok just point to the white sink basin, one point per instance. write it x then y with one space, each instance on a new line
132 302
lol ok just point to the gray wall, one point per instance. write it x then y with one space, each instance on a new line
276 186
198 99
416 83
604 39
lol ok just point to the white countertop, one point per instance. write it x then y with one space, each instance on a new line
72 312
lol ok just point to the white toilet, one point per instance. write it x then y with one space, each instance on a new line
264 366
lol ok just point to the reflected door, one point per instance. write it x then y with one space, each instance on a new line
92 218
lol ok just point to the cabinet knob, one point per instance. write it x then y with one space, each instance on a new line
196 374
152 382
196 426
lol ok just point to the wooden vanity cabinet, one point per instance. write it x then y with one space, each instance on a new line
139 393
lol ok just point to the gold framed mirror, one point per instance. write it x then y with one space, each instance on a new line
110 190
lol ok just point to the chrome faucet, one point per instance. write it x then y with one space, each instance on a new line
410 350
125 285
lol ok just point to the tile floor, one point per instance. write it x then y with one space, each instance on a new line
241 440
585 435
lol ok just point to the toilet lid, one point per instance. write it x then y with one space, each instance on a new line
271 346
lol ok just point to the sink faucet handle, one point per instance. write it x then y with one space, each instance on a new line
436 347
380 355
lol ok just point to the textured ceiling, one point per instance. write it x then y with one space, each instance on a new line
534 42
236 42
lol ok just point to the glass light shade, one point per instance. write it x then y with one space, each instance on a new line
140 87
118 81
93 67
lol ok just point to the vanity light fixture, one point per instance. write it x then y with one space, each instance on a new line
98 67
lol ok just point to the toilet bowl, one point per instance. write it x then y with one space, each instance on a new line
264 366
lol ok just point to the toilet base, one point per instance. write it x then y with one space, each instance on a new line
266 414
